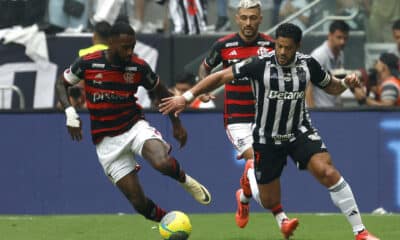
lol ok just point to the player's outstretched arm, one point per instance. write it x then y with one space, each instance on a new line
338 86
178 103
73 121
179 131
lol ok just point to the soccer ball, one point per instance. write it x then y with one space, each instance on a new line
175 226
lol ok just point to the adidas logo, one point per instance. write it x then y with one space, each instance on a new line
354 212
98 76
233 53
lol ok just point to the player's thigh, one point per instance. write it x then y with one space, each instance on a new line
148 142
241 137
269 162
306 145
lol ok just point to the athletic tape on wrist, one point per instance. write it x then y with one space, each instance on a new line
188 95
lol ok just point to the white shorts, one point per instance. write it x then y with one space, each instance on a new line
241 136
117 154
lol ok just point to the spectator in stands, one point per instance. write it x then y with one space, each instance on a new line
289 7
382 15
68 14
101 34
396 36
388 93
331 57
187 18
223 23
184 83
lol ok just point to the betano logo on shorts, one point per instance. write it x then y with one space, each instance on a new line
285 95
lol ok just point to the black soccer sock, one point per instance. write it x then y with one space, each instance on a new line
152 211
174 170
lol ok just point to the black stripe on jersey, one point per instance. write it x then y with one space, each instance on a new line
242 109
302 87
274 85
96 124
239 95
286 104
112 86
114 111
260 92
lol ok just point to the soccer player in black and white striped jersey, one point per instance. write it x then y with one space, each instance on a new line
282 124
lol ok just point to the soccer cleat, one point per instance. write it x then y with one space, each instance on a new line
365 235
242 212
198 191
288 227
244 180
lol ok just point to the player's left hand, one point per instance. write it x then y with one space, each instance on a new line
352 80
180 134
174 104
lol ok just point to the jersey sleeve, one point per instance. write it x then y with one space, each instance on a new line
149 78
389 92
247 68
214 56
75 72
319 77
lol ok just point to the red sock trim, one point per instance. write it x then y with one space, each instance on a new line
277 209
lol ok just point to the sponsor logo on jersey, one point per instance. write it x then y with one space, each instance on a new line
232 44
283 137
98 76
262 52
285 95
105 96
263 43
131 68
98 65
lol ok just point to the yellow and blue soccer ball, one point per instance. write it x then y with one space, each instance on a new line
175 225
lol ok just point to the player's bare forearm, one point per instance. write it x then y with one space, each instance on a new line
61 90
213 81
338 86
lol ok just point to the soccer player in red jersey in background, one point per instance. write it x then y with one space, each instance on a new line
118 128
239 102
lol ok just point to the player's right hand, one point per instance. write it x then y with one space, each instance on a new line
174 105
73 123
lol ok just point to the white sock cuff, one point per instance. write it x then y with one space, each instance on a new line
338 186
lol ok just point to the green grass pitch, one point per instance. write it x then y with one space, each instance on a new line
205 227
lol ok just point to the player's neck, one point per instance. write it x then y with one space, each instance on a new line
248 39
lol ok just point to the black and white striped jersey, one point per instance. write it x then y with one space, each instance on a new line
280 94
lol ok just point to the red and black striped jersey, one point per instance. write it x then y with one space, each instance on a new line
239 100
110 91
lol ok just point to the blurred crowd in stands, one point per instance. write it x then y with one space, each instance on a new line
378 20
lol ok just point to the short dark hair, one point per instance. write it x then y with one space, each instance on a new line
121 28
102 29
289 30
396 25
339 25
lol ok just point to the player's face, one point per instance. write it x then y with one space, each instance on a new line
396 37
248 20
121 48
285 50
337 40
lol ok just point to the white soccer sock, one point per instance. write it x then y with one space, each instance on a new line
243 198
343 198
253 185
280 217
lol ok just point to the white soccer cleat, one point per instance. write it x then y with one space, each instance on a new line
198 191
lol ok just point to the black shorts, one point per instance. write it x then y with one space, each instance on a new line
270 158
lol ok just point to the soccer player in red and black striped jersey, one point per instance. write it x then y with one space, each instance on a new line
118 127
239 100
